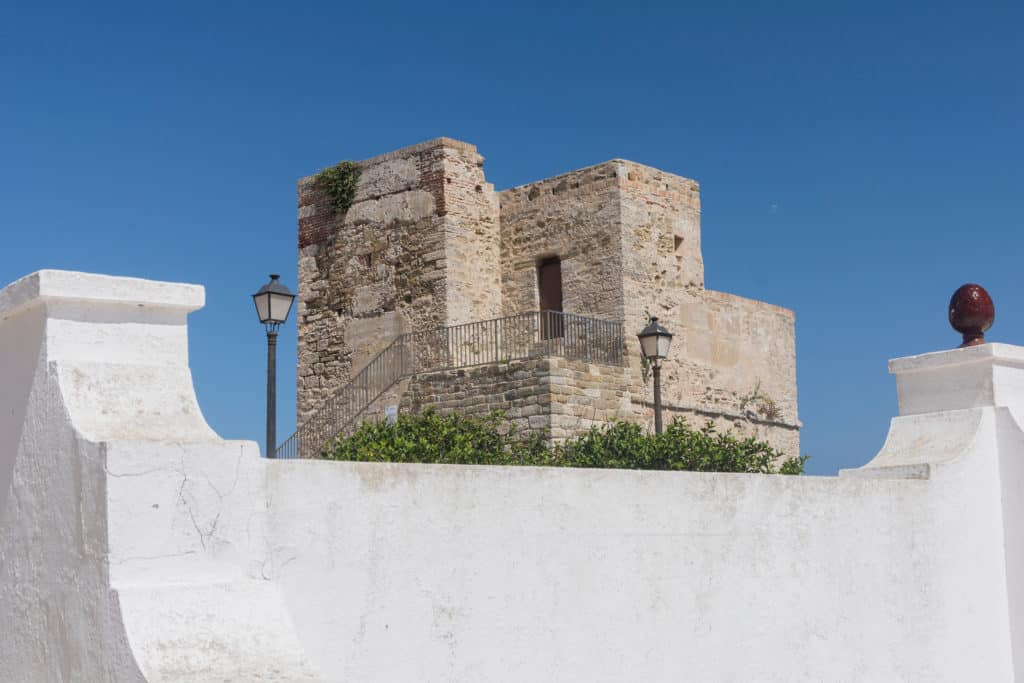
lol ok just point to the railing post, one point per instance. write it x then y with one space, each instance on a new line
448 346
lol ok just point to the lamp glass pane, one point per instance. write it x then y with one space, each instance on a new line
280 304
262 306
649 345
664 342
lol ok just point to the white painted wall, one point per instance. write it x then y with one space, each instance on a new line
131 536
137 545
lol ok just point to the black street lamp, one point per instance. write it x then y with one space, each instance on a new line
655 341
273 302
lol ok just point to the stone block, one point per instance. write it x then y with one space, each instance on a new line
538 421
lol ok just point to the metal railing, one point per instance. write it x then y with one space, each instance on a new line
516 337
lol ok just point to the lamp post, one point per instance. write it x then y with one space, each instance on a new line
655 341
273 302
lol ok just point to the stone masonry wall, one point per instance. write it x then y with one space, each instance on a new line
733 362
574 216
628 236
416 250
566 397
521 388
585 395
375 410
558 396
661 257
732 359
472 241
355 269
429 243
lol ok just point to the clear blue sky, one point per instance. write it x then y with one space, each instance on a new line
858 161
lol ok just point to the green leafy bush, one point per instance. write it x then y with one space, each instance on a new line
340 182
434 438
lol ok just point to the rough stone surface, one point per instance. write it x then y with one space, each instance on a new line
572 216
429 243
417 250
733 361
520 388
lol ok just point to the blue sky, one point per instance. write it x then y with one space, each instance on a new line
858 161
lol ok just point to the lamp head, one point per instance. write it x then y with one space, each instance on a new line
655 341
273 303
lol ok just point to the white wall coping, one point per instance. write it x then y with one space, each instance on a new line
988 375
66 285
1003 354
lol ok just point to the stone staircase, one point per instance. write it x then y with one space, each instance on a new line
525 335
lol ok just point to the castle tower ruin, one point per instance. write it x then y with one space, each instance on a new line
430 255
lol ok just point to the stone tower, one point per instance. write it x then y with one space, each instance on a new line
428 247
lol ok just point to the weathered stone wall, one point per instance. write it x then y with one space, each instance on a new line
521 388
661 258
585 395
418 249
733 362
360 283
739 356
375 410
574 216
472 241
732 359
558 396
660 225
429 243
629 239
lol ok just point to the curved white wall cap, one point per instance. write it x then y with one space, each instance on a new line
132 538
942 398
916 443
67 285
120 349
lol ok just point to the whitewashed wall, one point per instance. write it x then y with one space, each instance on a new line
131 536
137 545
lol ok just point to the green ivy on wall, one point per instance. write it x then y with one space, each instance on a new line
340 182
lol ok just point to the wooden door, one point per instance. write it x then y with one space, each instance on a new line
549 285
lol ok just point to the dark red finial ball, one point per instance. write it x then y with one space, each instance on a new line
971 313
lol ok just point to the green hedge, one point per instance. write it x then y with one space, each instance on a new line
455 439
